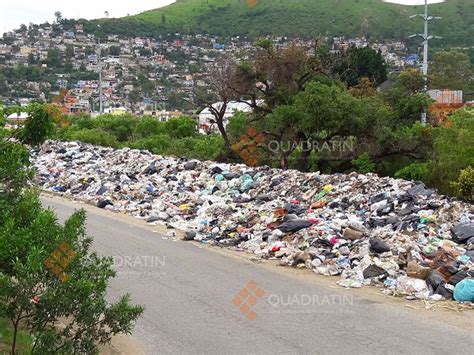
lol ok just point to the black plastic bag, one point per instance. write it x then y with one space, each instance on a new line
374 271
378 246
294 225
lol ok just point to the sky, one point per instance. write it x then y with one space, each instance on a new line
13 13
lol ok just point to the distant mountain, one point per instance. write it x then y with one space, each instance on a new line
371 18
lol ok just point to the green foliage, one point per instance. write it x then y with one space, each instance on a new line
92 136
453 151
181 127
465 184
148 126
35 296
24 340
157 144
208 147
121 126
39 125
361 63
31 292
264 43
15 172
177 136
237 126
413 171
114 50
406 97
370 18
451 70
54 58
364 164
199 147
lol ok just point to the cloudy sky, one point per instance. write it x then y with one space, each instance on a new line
15 12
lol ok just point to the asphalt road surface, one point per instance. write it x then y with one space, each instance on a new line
188 294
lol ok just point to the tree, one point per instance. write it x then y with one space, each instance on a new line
32 59
451 70
54 58
453 151
221 80
362 62
39 125
37 295
276 75
114 50
407 96
69 51
15 173
323 115
58 16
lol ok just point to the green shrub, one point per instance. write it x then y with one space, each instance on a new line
93 136
208 147
181 147
237 126
181 127
83 122
453 151
414 171
465 184
158 144
363 164
147 127
122 127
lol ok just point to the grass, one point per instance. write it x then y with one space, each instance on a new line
24 341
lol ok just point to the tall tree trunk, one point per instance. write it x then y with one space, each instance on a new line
220 126
15 334
303 161
306 148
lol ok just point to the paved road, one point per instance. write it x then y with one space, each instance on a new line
188 293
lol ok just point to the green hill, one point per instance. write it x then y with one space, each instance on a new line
371 18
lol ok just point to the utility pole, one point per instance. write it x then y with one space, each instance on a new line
426 37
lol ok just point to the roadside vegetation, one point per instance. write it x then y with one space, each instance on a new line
52 285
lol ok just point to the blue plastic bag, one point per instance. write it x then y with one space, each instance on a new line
464 291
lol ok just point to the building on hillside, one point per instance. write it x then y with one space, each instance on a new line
207 123
446 102
16 120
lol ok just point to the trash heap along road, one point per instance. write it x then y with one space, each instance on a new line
368 229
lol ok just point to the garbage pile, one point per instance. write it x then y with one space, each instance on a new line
393 233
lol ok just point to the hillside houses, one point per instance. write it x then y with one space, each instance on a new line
164 70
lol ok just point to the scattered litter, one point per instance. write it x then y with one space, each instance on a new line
370 230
